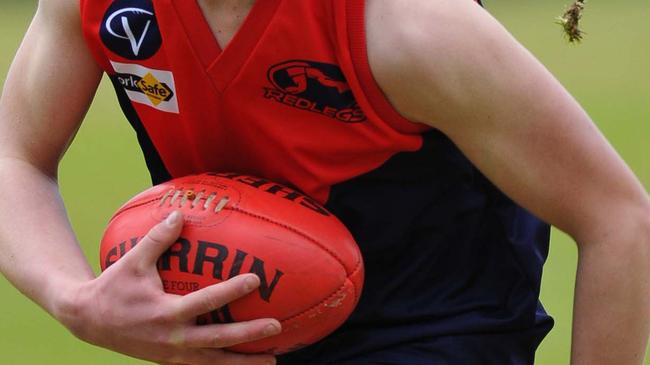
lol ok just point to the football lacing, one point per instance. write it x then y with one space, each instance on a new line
175 196
186 196
197 199
164 198
222 203
211 197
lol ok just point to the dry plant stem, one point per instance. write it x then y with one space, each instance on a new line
570 21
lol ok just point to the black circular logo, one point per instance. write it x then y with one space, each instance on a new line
130 29
314 86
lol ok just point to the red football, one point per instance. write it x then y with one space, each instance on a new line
310 268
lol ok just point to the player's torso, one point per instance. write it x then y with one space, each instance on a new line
453 266
280 101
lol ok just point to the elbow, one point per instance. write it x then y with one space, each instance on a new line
622 230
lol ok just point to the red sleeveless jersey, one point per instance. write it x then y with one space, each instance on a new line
291 98
453 267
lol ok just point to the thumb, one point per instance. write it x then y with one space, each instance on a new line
158 240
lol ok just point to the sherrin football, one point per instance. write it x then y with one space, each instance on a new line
310 268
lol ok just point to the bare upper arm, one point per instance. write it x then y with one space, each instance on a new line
449 64
49 87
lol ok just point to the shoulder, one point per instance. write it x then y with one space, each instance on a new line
417 28
62 13
444 48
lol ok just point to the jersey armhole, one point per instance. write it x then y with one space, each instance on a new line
90 25
352 35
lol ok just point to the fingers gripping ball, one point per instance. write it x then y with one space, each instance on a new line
310 268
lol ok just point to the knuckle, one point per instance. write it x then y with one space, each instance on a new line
218 340
232 289
211 302
162 316
245 334
176 339
158 235
139 269
229 335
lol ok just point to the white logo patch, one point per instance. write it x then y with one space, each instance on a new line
130 29
151 87
136 42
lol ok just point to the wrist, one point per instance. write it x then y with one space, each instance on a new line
67 305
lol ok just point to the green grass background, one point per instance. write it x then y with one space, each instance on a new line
609 74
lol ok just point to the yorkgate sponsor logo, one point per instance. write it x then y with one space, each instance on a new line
130 30
156 91
316 87
147 86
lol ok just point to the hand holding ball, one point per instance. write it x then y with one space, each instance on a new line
310 268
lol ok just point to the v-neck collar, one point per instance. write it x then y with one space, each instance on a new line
223 65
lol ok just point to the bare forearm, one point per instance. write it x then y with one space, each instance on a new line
612 304
39 253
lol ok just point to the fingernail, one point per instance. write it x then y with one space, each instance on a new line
250 283
271 329
173 218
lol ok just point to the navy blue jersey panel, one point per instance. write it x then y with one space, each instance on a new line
155 165
478 349
451 264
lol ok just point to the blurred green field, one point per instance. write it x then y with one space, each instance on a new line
609 74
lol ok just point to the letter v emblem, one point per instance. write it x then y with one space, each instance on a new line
135 43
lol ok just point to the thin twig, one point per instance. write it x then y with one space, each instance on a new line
570 21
